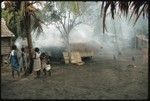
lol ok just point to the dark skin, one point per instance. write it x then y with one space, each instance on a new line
23 50
13 73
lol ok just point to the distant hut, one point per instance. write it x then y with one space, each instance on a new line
141 41
86 49
6 39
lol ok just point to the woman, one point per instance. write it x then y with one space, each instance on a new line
14 61
37 62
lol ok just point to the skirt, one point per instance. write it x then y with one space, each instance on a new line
37 64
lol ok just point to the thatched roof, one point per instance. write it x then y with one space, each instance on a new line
85 47
5 32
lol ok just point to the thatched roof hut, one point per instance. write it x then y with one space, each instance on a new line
6 38
86 47
141 41
5 32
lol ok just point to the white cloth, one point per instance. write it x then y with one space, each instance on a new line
48 67
12 53
37 62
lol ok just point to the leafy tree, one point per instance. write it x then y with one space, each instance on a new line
64 16
21 16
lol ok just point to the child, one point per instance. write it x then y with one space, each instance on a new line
48 65
37 62
14 61
45 63
22 59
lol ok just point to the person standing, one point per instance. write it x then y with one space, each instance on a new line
26 56
22 59
14 61
37 62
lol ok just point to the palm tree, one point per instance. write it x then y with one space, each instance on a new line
137 8
64 24
27 20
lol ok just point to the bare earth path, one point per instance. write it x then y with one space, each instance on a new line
101 78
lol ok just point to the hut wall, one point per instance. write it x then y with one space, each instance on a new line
141 42
5 45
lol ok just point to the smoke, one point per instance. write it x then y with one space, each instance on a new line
20 42
119 35
81 33
49 37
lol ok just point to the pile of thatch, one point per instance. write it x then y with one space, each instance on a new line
5 32
85 47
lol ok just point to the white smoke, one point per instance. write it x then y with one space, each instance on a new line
49 37
20 42
119 29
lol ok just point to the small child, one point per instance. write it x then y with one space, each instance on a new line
22 59
48 68
45 63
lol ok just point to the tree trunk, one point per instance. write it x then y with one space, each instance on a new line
29 41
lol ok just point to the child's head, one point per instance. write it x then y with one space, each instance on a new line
36 49
48 61
43 54
13 47
22 49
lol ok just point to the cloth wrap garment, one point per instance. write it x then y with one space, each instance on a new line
37 62
14 60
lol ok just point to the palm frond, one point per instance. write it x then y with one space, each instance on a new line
105 11
75 7
112 9
139 14
37 26
9 18
102 7
124 7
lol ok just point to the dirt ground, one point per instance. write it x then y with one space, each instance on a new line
101 78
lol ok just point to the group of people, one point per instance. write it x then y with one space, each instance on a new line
20 61
41 62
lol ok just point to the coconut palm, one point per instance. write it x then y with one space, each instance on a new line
137 8
66 19
25 14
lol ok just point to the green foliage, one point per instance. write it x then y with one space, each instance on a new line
55 16
45 13
15 20
50 14
75 7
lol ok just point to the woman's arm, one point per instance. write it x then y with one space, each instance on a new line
34 55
